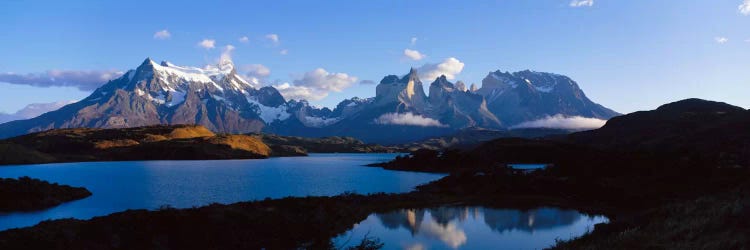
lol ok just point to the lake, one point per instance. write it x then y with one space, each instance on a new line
118 186
470 228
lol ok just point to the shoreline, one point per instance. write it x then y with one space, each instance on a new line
339 212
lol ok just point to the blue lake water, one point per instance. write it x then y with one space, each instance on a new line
470 228
118 186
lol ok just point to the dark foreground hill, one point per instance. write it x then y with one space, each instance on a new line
703 130
471 137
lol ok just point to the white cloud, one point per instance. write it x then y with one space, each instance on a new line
83 80
563 122
413 41
273 38
414 55
255 73
290 92
244 39
744 8
408 119
162 35
207 44
721 39
450 67
256 70
315 85
284 52
323 80
581 3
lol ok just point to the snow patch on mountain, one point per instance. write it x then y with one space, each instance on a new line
177 98
270 114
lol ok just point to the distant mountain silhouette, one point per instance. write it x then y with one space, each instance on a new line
219 99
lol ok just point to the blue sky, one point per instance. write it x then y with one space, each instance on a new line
627 55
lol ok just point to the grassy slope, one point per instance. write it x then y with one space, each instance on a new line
178 142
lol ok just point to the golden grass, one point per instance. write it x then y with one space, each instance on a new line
242 142
115 143
190 132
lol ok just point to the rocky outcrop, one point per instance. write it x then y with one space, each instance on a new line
459 109
529 95
407 93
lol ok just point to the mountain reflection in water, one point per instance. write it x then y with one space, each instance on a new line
471 228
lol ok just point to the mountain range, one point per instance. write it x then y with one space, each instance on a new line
221 100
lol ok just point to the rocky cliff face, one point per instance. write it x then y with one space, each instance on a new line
406 93
214 96
528 95
457 108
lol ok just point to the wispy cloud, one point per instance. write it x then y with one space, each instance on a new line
581 3
450 67
744 8
414 54
207 44
407 119
284 52
256 70
563 122
413 41
721 39
273 38
244 39
82 80
162 35
226 53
